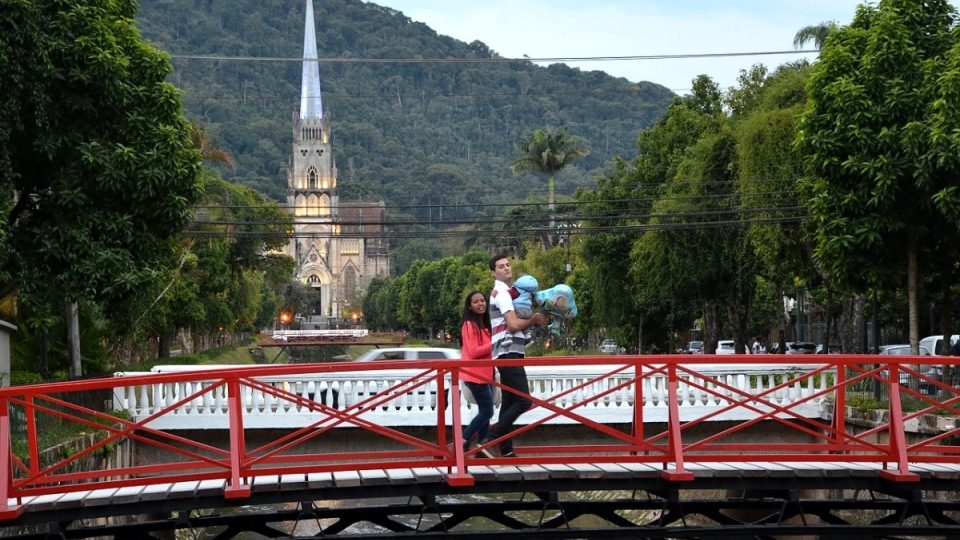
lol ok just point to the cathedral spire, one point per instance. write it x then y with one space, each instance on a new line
311 105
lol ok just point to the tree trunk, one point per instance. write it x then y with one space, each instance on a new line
163 346
640 335
860 322
912 297
711 328
551 207
73 339
830 321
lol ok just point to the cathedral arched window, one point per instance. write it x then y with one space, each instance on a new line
350 282
313 205
312 178
313 279
300 205
324 205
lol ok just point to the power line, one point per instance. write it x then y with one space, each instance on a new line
573 203
573 231
520 219
496 60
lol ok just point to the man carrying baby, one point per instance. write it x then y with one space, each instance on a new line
505 322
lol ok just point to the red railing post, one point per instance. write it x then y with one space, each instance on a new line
898 438
235 489
638 401
674 436
441 409
6 465
840 404
459 476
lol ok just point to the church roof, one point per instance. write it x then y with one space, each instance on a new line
311 106
362 217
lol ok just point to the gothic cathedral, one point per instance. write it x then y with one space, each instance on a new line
338 246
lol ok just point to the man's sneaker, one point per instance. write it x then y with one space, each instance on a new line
508 454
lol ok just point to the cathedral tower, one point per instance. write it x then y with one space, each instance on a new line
338 248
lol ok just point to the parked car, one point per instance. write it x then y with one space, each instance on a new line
801 347
902 349
725 346
934 344
693 347
929 370
409 353
609 346
834 349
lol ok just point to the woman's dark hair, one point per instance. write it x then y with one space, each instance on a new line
482 321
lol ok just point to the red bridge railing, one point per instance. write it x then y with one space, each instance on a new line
829 381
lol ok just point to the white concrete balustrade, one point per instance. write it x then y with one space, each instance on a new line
407 406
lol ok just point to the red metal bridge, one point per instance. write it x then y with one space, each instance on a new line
892 472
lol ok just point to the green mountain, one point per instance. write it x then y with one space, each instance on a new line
413 134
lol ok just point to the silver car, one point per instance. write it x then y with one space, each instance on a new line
609 346
409 353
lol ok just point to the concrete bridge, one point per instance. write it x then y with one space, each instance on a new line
602 393
668 427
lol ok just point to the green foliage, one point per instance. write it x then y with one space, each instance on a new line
95 152
547 152
876 157
428 297
20 378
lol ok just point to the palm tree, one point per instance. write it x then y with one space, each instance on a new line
548 152
817 33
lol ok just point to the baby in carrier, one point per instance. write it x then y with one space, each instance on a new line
557 301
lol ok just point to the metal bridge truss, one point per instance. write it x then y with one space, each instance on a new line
728 507
831 481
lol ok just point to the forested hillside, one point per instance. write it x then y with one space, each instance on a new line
411 133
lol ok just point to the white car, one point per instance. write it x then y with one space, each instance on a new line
934 344
409 353
725 346
609 346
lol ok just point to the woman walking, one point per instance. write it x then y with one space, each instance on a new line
475 344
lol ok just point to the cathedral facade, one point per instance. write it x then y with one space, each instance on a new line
338 247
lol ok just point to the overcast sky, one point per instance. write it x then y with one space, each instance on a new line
582 28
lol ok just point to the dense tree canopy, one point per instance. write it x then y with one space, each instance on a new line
97 170
875 171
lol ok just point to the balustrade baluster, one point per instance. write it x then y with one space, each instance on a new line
207 398
169 397
696 391
433 400
140 402
345 390
186 389
269 401
220 399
